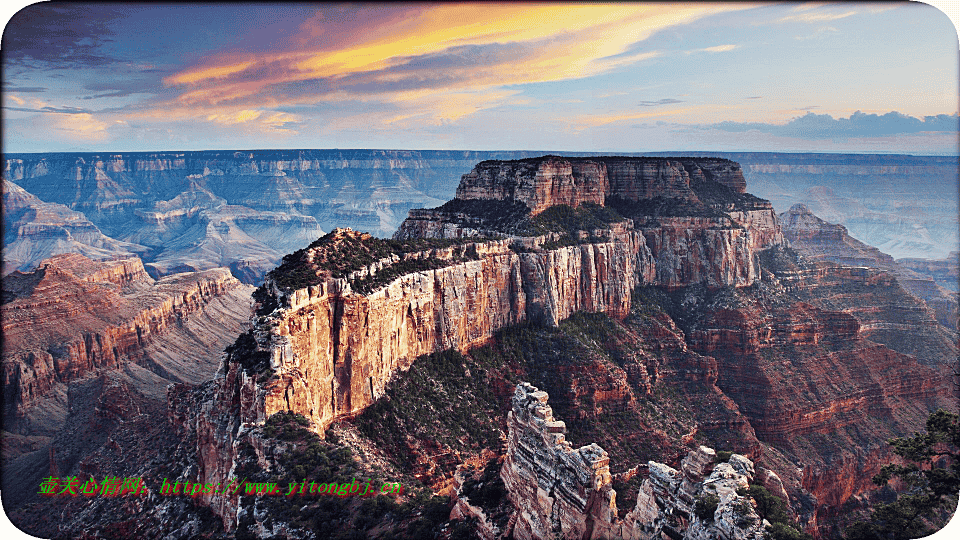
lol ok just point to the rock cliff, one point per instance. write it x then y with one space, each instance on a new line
562 492
332 350
540 183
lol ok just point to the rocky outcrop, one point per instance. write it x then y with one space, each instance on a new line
887 313
562 492
818 239
547 181
333 350
557 490
74 316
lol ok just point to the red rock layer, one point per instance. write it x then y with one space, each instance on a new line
74 315
814 388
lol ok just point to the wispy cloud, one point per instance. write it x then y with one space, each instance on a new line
455 53
816 17
666 101
591 120
715 49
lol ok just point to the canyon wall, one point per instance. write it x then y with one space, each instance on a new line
74 316
333 350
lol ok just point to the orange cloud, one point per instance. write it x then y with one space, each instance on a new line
510 44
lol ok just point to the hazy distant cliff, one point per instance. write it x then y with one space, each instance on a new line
185 211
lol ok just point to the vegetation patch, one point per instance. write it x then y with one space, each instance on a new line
302 455
566 219
498 215
443 403
244 350
643 210
718 195
339 253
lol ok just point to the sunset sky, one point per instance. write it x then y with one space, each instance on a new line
629 77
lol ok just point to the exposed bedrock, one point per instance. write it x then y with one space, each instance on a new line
73 316
817 390
334 349
544 182
564 492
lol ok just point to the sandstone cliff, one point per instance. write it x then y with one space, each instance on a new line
332 350
547 181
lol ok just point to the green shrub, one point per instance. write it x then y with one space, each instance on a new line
705 506
782 531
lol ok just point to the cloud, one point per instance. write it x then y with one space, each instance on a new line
820 32
666 101
381 52
816 17
859 124
715 49
59 35
25 89
47 109
590 120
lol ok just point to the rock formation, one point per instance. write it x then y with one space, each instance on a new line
34 230
559 491
886 312
802 367
325 347
333 350
818 239
543 182
74 316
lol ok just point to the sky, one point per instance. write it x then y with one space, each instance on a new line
625 77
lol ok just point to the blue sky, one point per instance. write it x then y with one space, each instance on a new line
629 77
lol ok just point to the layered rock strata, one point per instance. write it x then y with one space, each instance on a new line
931 281
813 386
543 182
718 249
35 230
73 316
333 350
562 492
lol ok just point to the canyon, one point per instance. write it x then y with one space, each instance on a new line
654 299
74 318
244 210
732 311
